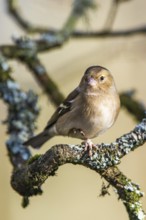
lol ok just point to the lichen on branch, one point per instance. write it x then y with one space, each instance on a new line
27 181
22 113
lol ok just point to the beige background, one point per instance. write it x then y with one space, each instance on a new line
74 192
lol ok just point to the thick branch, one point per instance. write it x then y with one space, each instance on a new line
107 155
27 181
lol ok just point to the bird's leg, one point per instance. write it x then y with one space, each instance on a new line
89 146
78 133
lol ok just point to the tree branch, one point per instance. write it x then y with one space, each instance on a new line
21 117
108 34
79 10
25 51
27 181
111 15
14 11
133 106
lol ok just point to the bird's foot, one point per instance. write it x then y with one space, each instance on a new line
89 146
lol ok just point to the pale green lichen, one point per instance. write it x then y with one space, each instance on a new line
34 158
136 210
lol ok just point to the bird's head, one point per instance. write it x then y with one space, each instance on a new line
96 79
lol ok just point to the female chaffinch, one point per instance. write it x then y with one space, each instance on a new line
88 110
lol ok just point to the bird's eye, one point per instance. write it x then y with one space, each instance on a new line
102 78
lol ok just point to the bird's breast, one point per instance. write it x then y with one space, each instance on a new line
107 112
100 116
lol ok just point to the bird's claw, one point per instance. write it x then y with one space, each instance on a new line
89 146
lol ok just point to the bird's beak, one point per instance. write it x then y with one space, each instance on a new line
91 81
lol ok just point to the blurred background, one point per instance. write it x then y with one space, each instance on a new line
74 192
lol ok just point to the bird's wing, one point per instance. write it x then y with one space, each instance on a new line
63 107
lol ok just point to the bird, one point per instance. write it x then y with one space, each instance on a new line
88 111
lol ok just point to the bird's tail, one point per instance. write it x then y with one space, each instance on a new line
38 140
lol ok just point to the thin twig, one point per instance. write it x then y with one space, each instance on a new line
111 16
108 34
